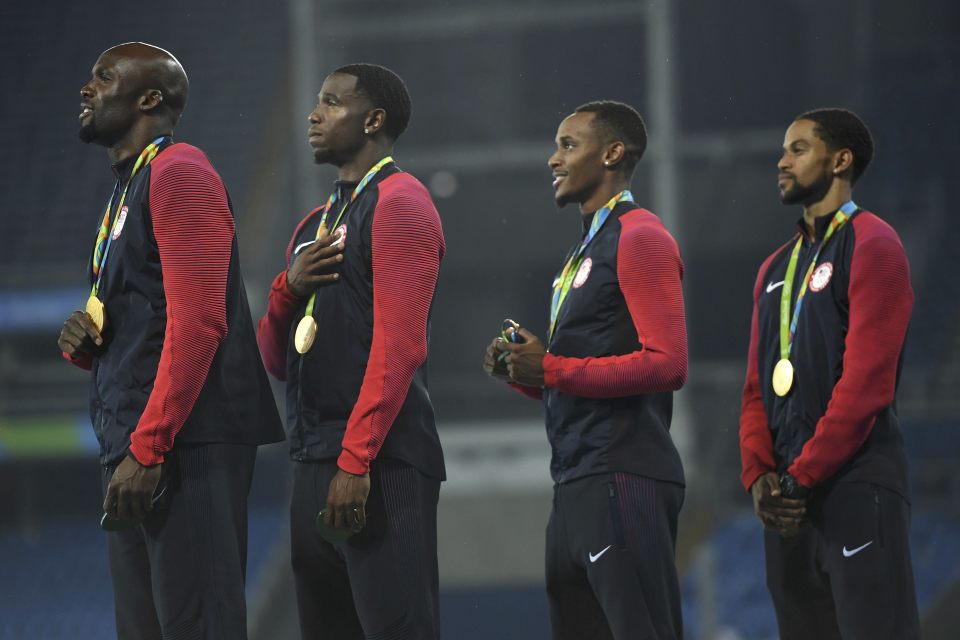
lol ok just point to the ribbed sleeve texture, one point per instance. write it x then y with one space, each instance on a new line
407 247
881 301
650 272
756 442
273 329
194 230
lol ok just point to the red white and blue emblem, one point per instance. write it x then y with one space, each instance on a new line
582 273
121 218
821 277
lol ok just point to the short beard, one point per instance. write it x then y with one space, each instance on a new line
807 194
87 133
322 156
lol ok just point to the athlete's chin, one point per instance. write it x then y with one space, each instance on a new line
87 133
322 156
790 196
562 199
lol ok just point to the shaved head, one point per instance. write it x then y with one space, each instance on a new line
136 93
154 68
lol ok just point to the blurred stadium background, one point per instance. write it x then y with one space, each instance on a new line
718 82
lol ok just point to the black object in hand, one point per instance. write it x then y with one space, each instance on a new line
791 488
510 331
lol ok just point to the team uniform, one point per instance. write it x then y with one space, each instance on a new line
179 381
848 574
358 400
616 353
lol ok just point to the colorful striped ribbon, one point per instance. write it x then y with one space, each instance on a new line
788 326
561 284
326 210
101 248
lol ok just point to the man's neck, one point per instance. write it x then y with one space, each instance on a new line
603 194
134 142
354 169
839 193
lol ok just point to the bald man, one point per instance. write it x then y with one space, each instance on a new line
179 399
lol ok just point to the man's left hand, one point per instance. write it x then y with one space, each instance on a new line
346 501
130 491
525 359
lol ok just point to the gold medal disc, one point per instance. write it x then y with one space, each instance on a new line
96 312
305 335
782 377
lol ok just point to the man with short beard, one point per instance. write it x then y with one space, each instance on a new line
179 399
347 327
821 449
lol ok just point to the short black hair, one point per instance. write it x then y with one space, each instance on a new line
843 129
386 91
621 122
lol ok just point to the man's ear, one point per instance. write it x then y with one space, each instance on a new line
151 99
613 154
842 161
375 121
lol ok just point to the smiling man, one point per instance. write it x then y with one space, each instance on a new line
821 449
179 398
347 327
615 352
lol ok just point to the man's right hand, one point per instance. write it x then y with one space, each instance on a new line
313 265
79 337
776 512
493 363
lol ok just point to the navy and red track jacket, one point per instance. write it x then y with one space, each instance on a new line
617 353
839 420
180 361
361 390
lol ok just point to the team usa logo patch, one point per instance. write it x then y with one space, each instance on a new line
121 218
342 232
821 277
582 273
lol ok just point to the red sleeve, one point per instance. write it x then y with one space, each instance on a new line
84 362
194 230
408 245
881 300
273 330
531 392
756 443
650 271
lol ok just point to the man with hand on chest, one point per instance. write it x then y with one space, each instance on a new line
820 443
179 398
347 327
616 350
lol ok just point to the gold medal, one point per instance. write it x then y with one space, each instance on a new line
305 335
96 312
782 377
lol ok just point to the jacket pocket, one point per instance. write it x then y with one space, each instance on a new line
616 516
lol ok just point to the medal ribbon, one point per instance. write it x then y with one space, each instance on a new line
326 210
101 248
788 326
562 283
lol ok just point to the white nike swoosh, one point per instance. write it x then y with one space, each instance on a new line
594 558
773 285
302 245
852 552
